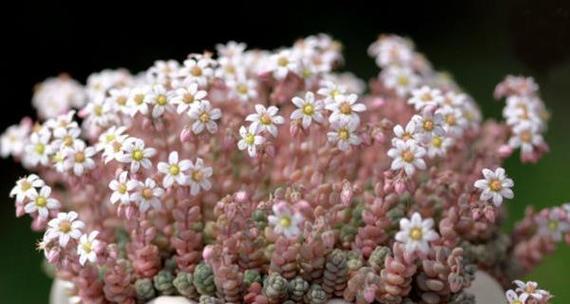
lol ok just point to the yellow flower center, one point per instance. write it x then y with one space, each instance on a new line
345 108
416 234
161 100
147 193
121 100
79 157
242 89
285 221
282 61
553 225
40 148
87 247
437 141
308 109
139 99
98 110
25 185
188 98
65 226
526 136
266 119
403 80
428 125
250 139
122 188
197 176
67 140
174 169
137 155
41 201
196 71
408 156
204 117
450 119
495 185
343 134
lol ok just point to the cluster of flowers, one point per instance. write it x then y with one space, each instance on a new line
526 115
185 179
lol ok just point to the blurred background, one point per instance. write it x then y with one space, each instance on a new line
478 42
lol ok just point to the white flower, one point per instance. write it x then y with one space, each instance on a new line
250 139
554 224
160 100
530 288
453 121
136 154
38 150
148 194
343 135
526 137
307 109
199 176
79 158
513 298
86 247
41 202
284 221
26 187
265 119
118 99
197 69
332 91
243 88
405 134
122 187
137 102
204 117
438 146
416 233
424 97
345 109
13 140
282 63
65 137
174 170
407 156
495 186
400 79
429 124
188 96
64 227
231 49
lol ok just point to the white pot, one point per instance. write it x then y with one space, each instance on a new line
484 287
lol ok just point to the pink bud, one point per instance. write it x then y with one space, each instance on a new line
505 151
185 135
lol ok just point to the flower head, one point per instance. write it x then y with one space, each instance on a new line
41 202
495 186
204 117
135 153
64 227
250 139
308 109
174 170
265 119
86 249
416 233
199 176
285 221
407 156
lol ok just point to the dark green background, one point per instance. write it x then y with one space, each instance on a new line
479 42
